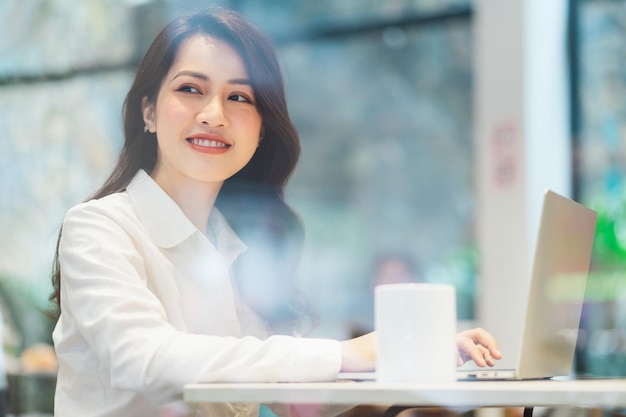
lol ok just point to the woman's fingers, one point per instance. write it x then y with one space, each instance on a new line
482 337
470 350
478 345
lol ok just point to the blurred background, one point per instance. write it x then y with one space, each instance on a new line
383 93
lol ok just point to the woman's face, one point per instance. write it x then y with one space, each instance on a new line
205 117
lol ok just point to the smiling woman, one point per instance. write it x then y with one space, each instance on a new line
179 269
206 122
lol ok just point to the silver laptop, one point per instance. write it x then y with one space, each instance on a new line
557 292
556 295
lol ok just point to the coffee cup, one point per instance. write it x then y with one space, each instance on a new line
416 327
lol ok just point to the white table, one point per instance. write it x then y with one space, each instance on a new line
605 394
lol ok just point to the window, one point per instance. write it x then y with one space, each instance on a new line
600 138
384 186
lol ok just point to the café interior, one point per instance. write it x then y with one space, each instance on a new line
429 129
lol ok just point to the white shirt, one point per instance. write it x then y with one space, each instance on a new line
147 305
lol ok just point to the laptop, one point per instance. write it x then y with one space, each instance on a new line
556 295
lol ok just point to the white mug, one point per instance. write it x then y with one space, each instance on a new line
416 326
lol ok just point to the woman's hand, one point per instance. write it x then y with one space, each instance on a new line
359 354
477 345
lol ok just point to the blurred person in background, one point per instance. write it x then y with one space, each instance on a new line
388 268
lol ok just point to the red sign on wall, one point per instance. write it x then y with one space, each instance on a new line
505 152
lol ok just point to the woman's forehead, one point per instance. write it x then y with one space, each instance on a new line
208 53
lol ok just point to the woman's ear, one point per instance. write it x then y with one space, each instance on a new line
147 109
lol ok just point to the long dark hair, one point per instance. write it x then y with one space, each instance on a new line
253 199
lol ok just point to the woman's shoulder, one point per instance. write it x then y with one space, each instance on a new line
113 206
110 218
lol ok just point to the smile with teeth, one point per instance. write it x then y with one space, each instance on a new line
207 143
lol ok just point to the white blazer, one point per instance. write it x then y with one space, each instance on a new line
147 306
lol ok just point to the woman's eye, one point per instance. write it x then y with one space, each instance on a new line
188 89
240 97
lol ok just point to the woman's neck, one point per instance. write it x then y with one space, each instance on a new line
195 198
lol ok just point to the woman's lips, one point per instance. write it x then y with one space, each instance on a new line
209 145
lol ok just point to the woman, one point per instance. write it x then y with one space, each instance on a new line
143 269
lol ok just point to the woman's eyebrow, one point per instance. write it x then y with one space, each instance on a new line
193 74
240 81
204 77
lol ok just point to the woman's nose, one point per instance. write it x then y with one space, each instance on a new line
212 113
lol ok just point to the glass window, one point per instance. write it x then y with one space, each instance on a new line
384 184
381 93
600 132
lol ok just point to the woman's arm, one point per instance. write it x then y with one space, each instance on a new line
359 354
